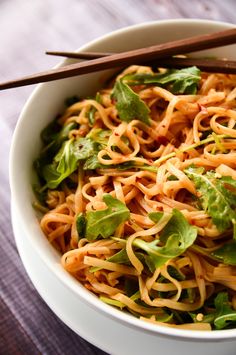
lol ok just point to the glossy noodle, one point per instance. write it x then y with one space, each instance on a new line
139 195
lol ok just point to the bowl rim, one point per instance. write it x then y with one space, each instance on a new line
68 281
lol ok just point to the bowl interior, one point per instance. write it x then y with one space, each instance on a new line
43 106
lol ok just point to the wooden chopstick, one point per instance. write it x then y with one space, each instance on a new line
210 65
141 55
80 55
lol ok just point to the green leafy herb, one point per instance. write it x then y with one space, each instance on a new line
83 148
221 314
151 168
54 139
175 273
81 224
112 302
100 135
190 294
172 178
225 315
41 193
91 113
155 216
181 317
165 318
228 180
207 318
121 257
183 81
93 163
52 176
131 286
178 235
128 104
66 160
71 100
226 254
216 199
103 223
51 131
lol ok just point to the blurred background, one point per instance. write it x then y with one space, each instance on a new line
27 29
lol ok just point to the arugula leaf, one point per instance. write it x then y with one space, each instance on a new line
121 257
83 148
66 160
91 113
128 103
52 177
104 222
207 318
155 216
216 199
225 315
175 273
229 182
93 163
40 193
178 235
50 131
112 302
81 224
100 135
183 81
226 254
131 286
172 178
190 294
54 142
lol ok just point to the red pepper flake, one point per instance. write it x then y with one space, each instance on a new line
193 222
117 134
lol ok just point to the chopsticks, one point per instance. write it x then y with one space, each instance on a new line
210 65
136 56
80 55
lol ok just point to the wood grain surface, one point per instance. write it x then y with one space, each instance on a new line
27 29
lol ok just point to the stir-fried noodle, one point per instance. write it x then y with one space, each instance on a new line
164 245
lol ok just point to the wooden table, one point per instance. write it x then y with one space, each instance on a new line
27 29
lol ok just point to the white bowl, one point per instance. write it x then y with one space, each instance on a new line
43 105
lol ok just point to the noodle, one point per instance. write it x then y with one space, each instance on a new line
146 167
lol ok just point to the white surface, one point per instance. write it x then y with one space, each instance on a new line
100 330
43 106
